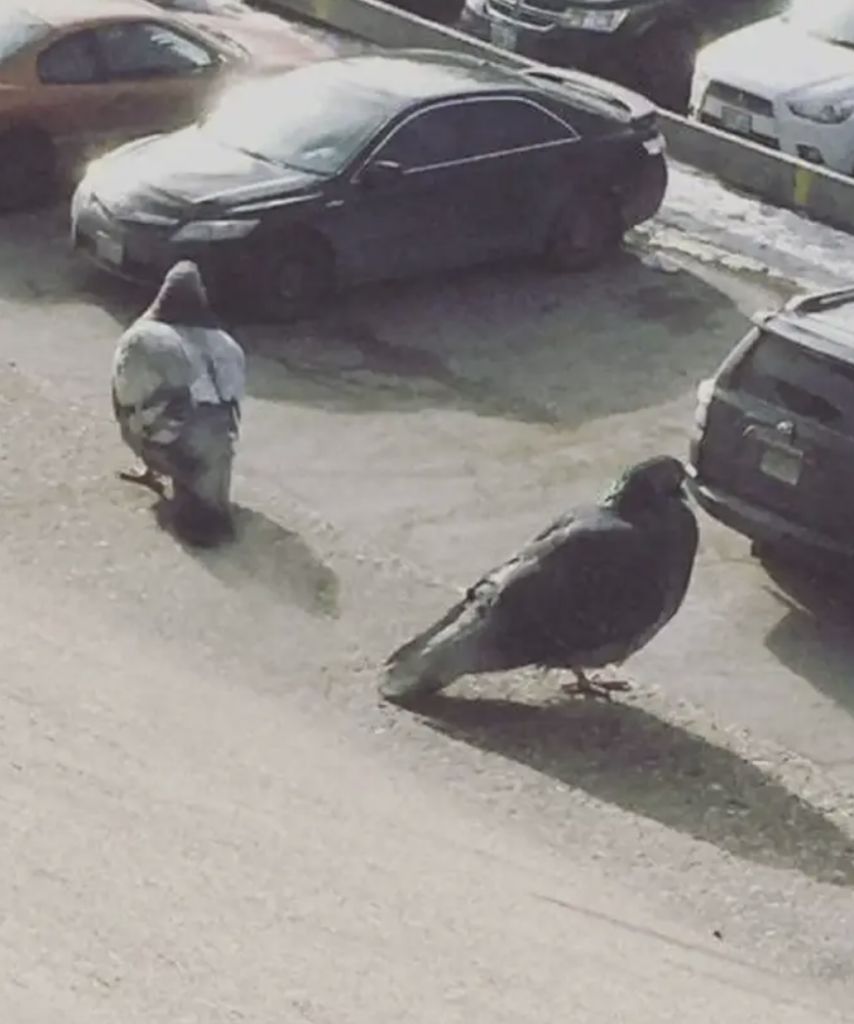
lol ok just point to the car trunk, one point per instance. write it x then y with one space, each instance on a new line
780 435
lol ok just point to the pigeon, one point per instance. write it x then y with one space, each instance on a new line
178 383
589 591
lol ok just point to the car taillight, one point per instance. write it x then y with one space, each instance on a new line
705 394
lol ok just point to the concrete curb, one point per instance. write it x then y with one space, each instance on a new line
782 180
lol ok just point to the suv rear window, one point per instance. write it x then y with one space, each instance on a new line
801 381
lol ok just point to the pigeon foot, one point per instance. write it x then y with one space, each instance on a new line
145 478
596 689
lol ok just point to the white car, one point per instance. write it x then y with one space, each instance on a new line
786 82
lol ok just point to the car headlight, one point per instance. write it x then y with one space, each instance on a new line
214 230
593 21
823 111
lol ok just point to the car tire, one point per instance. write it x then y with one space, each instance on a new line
666 65
28 173
584 232
297 275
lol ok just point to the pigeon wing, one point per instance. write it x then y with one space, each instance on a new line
585 583
225 363
151 379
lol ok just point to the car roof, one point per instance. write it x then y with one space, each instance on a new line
411 75
822 320
68 12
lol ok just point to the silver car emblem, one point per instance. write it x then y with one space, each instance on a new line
786 428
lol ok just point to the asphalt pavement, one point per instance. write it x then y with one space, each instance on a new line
209 817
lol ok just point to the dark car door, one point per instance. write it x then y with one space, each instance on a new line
418 219
470 188
523 161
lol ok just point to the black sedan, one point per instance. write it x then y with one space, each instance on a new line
370 167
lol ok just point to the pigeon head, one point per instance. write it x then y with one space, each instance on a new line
183 299
647 485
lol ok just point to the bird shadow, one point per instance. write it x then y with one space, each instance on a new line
263 554
622 754
814 638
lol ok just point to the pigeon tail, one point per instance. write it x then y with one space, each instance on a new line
201 467
457 645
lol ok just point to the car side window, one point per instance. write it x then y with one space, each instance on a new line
140 50
461 131
69 61
434 136
503 124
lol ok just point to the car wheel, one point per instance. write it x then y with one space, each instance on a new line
27 170
298 275
666 66
584 232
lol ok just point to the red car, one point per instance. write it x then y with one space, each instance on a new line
78 77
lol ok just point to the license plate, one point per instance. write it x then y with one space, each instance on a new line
736 120
109 250
782 465
504 36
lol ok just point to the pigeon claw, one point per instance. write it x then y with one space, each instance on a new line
596 689
144 478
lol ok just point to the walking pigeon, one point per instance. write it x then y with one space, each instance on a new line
178 383
589 591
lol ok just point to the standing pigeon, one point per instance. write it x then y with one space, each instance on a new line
178 382
589 591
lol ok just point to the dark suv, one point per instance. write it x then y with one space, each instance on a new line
647 45
772 454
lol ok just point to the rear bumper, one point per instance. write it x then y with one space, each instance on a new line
761 525
643 199
608 54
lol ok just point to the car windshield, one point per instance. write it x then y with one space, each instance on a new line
18 28
831 20
800 381
307 119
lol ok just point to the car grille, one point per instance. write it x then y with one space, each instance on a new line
740 98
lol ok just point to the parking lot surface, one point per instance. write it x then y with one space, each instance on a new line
392 451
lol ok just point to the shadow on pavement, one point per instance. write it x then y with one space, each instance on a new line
267 555
625 756
814 639
507 342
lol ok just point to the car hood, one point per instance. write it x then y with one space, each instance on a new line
187 168
773 59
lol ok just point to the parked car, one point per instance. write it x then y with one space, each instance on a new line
382 165
786 83
645 44
772 454
79 76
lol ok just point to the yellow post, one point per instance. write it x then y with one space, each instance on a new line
803 179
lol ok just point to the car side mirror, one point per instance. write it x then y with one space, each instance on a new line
380 173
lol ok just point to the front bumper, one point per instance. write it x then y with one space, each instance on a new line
760 525
134 251
606 54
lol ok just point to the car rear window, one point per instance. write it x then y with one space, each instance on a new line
801 381
18 29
